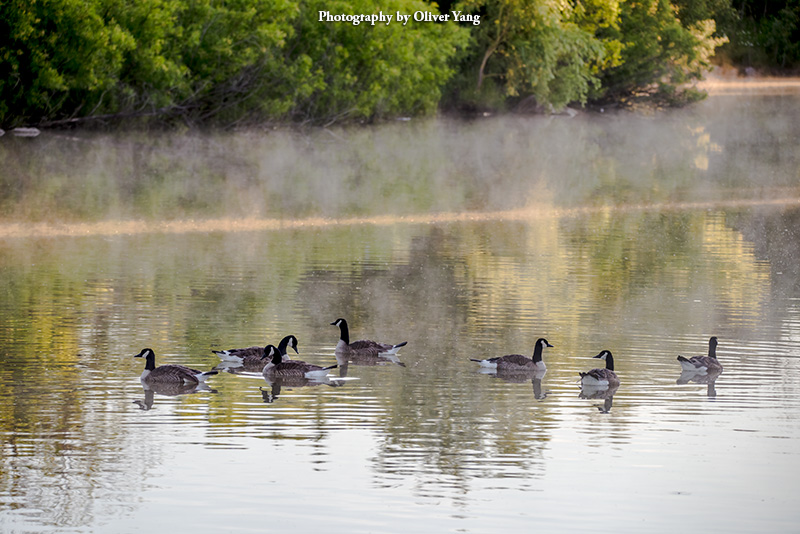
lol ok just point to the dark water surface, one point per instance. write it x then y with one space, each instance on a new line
644 235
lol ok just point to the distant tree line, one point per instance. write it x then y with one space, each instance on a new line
230 62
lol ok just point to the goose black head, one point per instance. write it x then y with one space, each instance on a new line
541 343
146 353
604 355
150 358
272 353
288 342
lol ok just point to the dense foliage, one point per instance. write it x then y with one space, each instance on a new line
216 61
764 34
226 62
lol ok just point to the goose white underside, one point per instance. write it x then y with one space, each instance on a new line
272 372
236 356
317 375
226 356
590 381
689 366
320 375
242 374
491 365
225 365
202 376
388 351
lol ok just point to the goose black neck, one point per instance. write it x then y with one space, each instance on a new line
150 361
270 353
283 345
712 347
537 352
610 362
344 332
277 358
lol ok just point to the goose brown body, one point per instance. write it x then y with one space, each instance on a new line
276 367
601 377
253 356
362 347
708 363
517 362
170 373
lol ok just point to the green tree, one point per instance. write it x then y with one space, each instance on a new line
659 53
233 54
545 48
364 71
765 34
152 74
56 55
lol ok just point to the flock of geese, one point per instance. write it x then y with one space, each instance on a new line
276 366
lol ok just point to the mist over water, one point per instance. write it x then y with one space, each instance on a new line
641 234
727 148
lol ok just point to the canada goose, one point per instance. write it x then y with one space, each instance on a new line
176 374
518 362
278 368
364 347
254 355
601 377
703 364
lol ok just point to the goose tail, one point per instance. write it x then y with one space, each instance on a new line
395 348
320 374
203 376
687 364
226 356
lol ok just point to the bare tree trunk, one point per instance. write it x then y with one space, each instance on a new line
501 33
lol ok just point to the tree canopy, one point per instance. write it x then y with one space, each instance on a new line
228 62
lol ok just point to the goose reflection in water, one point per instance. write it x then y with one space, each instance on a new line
701 377
169 390
345 360
599 392
518 377
247 368
269 395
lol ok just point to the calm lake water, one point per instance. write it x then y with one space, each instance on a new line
644 234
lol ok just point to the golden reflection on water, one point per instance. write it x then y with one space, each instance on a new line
107 228
648 284
750 86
